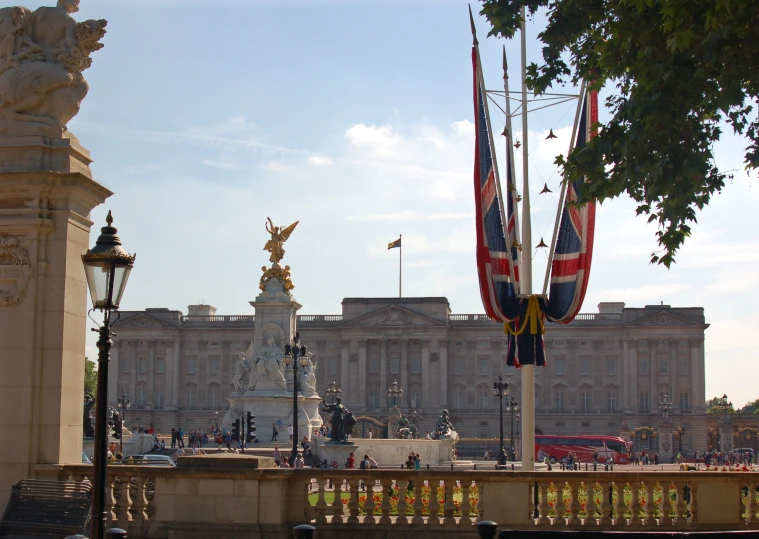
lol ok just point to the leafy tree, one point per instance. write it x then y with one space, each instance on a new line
90 378
682 69
714 406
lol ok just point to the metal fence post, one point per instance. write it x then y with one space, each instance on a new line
304 531
486 529
115 533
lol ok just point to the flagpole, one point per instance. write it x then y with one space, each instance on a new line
400 264
563 194
528 370
511 169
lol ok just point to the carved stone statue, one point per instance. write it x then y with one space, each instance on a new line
42 56
267 366
309 375
89 402
444 428
278 238
342 421
241 373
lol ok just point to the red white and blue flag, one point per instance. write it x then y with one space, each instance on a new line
495 267
570 269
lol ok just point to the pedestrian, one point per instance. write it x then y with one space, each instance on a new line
290 431
417 462
298 461
180 438
173 438
349 463
274 432
277 455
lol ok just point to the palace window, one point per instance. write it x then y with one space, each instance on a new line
484 366
333 365
213 364
683 366
416 365
124 364
192 395
684 400
558 365
158 398
664 366
192 365
643 365
611 400
485 396
373 399
395 365
458 366
611 366
160 365
213 396
643 402
483 344
458 398
373 364
584 365
415 399
143 364
559 400
142 399
586 396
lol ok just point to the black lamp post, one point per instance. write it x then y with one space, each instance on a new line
665 405
333 392
216 420
125 403
295 354
680 433
394 394
725 404
501 389
512 406
107 267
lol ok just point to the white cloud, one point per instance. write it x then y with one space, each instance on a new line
319 160
380 140
221 165
409 215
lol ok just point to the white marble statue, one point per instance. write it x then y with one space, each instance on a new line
42 56
241 373
309 375
267 366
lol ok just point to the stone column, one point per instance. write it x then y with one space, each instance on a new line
698 391
177 368
46 195
653 376
630 364
674 374
151 373
113 372
443 357
383 373
425 397
344 357
726 432
362 392
168 374
404 369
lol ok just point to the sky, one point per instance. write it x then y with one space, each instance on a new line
355 118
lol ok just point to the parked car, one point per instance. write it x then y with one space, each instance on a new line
156 460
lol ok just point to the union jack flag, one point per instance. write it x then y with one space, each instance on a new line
498 272
570 269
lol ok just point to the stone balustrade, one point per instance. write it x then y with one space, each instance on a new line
157 502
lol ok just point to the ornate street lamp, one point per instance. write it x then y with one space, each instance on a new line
125 403
512 406
725 404
333 392
295 354
107 266
665 405
394 394
501 389
216 420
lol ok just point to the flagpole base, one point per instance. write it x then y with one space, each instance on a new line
528 417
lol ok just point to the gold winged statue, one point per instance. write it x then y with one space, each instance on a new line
278 238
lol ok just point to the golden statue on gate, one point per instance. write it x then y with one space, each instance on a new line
278 238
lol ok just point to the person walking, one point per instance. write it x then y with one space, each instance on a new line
277 455
351 461
180 438
290 431
274 432
173 438
298 461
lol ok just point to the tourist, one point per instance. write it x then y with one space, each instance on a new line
156 444
180 438
299 461
173 438
325 464
112 447
219 439
350 461
417 462
163 445
277 455
410 462
290 431
428 437
274 432
284 464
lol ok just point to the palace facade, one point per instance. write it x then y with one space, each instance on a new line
606 372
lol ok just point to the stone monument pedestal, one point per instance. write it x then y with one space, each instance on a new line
666 443
275 409
338 452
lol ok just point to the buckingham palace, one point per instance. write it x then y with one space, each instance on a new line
606 371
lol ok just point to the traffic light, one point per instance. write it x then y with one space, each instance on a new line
116 426
250 428
236 430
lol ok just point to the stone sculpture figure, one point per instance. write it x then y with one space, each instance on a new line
444 428
89 402
339 412
242 373
267 366
309 374
42 56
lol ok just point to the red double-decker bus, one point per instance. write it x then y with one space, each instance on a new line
610 448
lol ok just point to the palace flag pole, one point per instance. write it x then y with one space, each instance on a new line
393 245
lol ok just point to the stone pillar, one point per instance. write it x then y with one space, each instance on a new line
383 374
404 370
151 373
443 357
653 376
698 391
46 195
168 375
674 374
176 378
630 353
113 372
726 431
425 397
667 449
344 357
362 392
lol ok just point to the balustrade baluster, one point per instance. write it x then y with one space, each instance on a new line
681 507
402 506
606 508
448 507
353 501
418 505
369 503
649 508
338 508
434 505
121 495
320 508
137 500
635 503
693 505
543 507
560 507
574 504
385 505
466 506
110 500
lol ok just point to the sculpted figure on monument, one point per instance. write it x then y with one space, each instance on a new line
278 238
444 427
267 366
42 56
309 373
242 372
342 421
